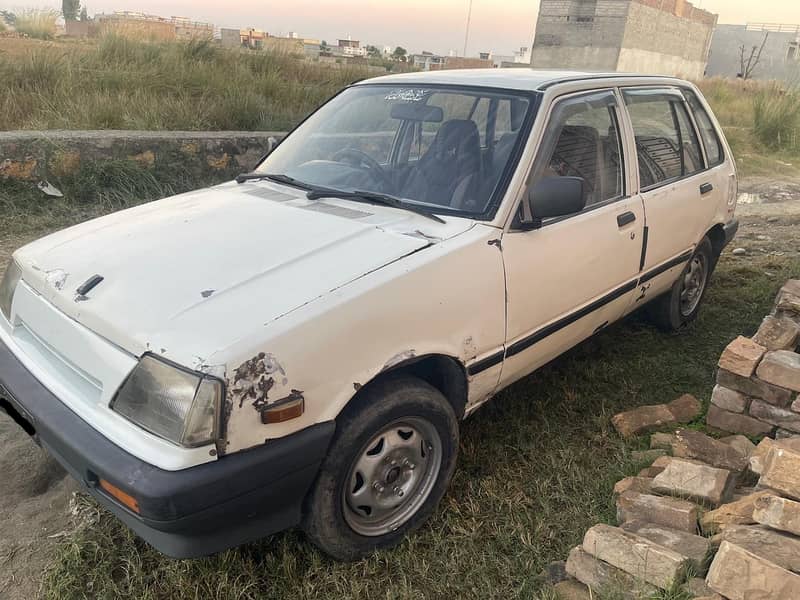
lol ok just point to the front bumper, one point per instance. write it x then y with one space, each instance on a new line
188 513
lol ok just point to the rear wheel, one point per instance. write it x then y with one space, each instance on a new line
681 304
387 468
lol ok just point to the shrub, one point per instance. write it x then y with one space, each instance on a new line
776 118
40 24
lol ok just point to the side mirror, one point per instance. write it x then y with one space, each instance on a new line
554 197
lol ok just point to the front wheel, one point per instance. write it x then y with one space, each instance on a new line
388 467
681 304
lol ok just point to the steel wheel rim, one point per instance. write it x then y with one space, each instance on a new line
392 476
693 284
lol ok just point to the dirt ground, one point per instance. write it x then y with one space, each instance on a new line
35 503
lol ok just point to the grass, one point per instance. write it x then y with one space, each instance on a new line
119 83
537 467
761 122
39 24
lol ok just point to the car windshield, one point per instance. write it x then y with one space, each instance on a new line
442 148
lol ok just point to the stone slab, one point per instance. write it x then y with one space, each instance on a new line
694 547
698 482
782 471
600 576
740 443
635 484
777 547
755 388
735 423
659 510
699 446
758 457
738 512
729 399
777 333
741 575
741 356
637 556
775 415
642 419
778 513
781 368
685 408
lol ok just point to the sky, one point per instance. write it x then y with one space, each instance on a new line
499 26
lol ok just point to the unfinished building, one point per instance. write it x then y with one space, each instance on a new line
668 37
756 51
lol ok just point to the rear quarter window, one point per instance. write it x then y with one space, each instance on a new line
711 140
666 143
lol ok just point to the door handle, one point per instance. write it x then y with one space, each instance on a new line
705 188
625 218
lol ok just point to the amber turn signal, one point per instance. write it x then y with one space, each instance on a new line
284 411
122 497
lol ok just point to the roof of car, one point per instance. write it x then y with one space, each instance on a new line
509 78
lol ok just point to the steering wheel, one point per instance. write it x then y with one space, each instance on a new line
359 158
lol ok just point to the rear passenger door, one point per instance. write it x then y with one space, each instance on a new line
676 189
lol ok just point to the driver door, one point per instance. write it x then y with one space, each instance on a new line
577 273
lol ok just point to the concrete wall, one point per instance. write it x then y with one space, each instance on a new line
579 34
724 59
669 37
52 155
663 43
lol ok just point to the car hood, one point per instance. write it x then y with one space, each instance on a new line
188 275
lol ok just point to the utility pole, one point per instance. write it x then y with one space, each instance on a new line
466 33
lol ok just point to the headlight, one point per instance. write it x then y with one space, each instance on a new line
8 286
173 403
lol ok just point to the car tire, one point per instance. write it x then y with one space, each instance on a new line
681 304
387 468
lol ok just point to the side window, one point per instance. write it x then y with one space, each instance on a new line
666 142
583 140
711 140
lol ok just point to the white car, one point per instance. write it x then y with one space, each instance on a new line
297 347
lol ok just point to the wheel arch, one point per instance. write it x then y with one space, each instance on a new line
716 235
446 373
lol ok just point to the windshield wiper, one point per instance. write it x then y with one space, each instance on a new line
374 197
276 177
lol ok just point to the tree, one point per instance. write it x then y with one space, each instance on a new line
373 52
400 54
324 49
84 14
749 64
70 9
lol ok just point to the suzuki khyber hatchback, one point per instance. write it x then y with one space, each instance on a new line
297 347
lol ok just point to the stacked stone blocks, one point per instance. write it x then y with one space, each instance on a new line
759 378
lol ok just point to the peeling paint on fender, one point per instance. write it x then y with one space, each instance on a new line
398 358
253 380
